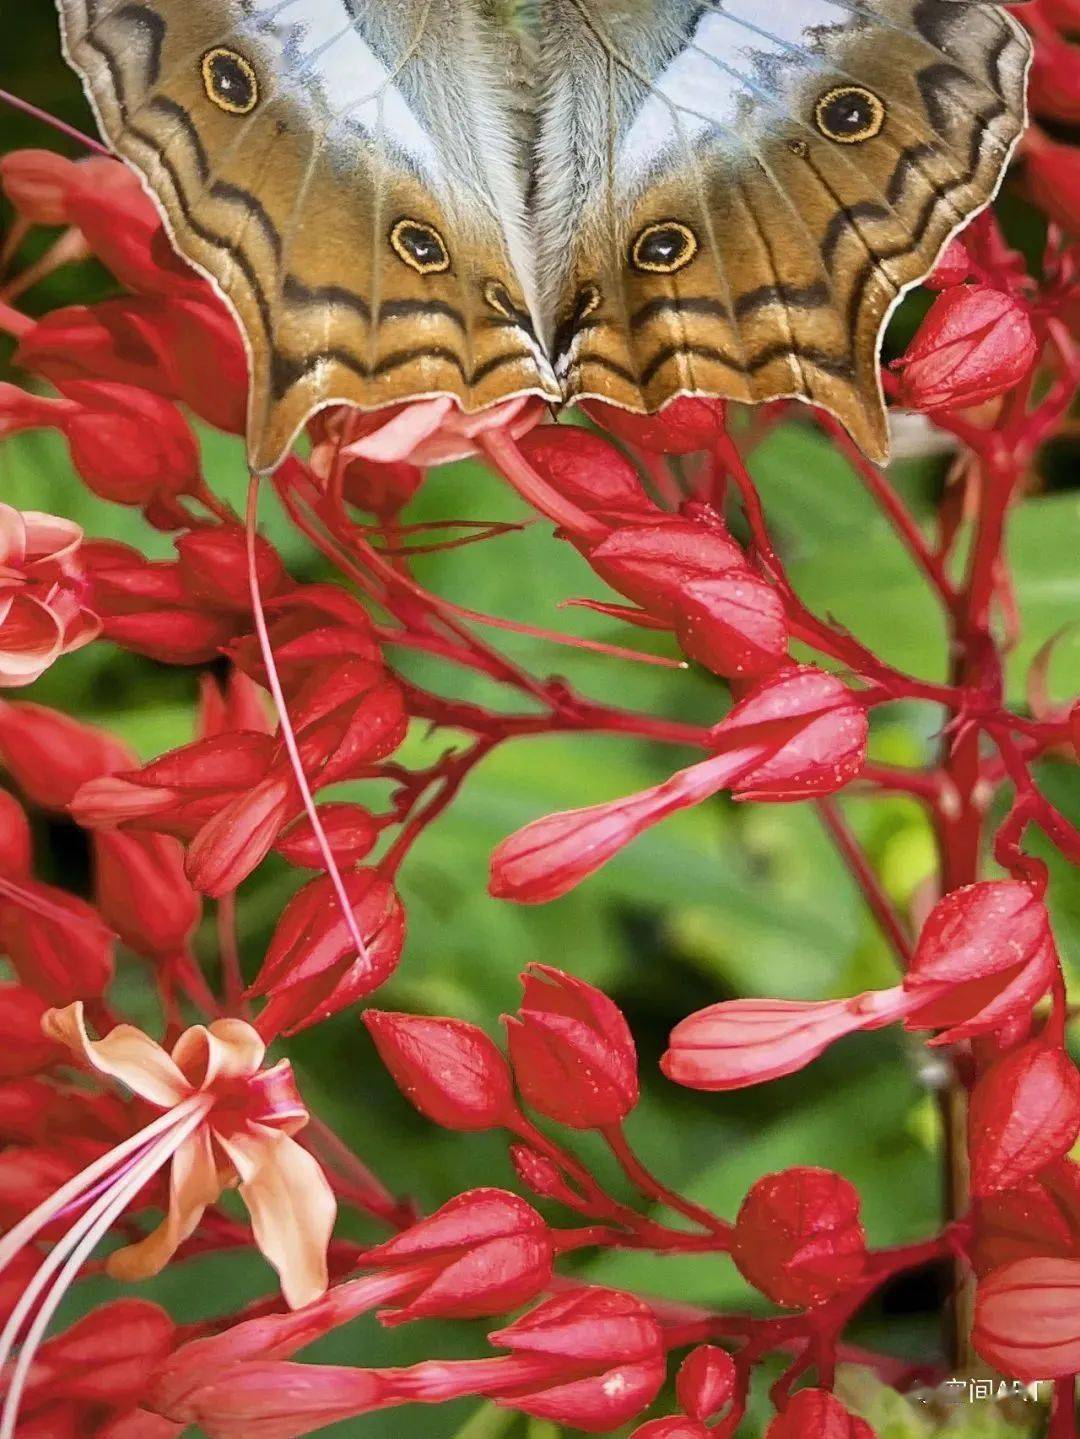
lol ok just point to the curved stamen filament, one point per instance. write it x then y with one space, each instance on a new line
72 1251
76 1187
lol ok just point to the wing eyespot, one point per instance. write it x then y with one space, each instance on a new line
420 246
663 248
230 81
849 114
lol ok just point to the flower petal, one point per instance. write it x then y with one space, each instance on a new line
193 1184
125 1054
229 1049
292 1208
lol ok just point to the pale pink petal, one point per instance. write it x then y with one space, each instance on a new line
125 1054
50 537
229 1049
399 437
292 1208
30 640
12 536
193 1184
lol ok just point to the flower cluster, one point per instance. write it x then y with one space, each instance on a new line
307 684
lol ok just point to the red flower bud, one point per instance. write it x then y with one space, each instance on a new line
128 445
1027 1318
706 1381
37 183
798 1237
1025 1113
1054 82
310 624
56 944
25 1049
1037 1219
985 953
954 266
50 756
748 1041
213 568
347 715
734 625
311 969
233 842
16 844
106 1358
573 1055
653 565
208 360
975 343
451 1071
146 607
676 1426
143 893
817 1414
541 1174
589 471
615 1335
351 831
685 425
815 726
483 1253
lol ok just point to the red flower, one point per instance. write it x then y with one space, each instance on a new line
653 564
706 1382
611 1338
41 613
817 1414
311 969
590 472
143 892
676 1426
685 425
1024 1113
1052 177
734 625
451 1071
25 1050
50 756
484 1252
985 954
1033 1220
799 733
798 1237
748 1041
975 343
572 1052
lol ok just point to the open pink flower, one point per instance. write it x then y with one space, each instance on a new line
41 616
423 433
224 1121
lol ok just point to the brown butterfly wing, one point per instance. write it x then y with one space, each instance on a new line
751 244
348 178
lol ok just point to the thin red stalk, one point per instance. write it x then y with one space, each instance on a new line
653 1188
864 875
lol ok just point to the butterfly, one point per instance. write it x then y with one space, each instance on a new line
625 200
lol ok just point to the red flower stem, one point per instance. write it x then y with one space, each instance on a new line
229 953
862 871
193 982
653 1188
454 776
898 514
926 785
18 103
1063 1410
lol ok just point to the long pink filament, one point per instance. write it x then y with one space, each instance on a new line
17 103
77 1186
287 732
75 1248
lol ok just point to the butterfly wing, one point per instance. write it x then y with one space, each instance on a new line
350 174
754 185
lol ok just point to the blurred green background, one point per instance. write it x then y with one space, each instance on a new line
716 903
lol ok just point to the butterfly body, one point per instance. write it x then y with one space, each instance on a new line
620 199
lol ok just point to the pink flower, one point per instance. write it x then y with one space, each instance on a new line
223 1121
41 613
425 432
1027 1318
748 1041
